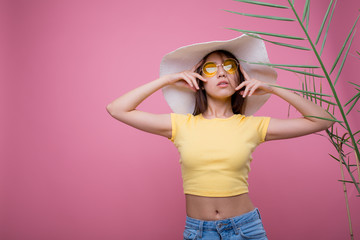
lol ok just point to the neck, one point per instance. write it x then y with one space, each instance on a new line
218 108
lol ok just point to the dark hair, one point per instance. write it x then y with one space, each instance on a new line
200 96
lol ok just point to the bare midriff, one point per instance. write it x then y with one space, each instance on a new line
216 208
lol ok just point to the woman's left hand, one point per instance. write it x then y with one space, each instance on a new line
253 86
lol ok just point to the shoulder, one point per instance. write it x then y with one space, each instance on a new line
179 119
257 120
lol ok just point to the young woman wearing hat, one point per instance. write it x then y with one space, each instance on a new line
213 98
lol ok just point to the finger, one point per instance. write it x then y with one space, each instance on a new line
192 84
186 79
200 77
253 89
248 88
193 80
241 85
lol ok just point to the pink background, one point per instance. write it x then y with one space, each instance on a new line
70 171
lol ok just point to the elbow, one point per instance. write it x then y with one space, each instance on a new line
330 124
327 124
117 112
111 110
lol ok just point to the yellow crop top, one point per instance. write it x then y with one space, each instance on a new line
215 154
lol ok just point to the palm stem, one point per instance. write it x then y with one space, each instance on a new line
346 199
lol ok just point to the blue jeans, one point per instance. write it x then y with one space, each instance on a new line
245 226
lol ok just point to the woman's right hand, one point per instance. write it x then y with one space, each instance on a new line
185 79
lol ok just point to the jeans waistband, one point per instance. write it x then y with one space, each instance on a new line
233 222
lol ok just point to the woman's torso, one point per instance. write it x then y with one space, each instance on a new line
216 208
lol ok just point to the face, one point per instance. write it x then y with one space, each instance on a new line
222 84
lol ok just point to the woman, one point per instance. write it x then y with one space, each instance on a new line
214 130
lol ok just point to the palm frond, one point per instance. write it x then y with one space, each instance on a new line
279 43
306 10
346 181
314 87
343 46
262 3
343 61
262 16
280 65
268 34
322 100
354 84
352 106
302 91
320 91
301 72
355 96
307 17
327 29
328 119
323 23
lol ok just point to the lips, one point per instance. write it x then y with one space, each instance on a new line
222 83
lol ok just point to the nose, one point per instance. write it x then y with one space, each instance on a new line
221 72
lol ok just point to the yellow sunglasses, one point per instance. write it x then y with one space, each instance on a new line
210 68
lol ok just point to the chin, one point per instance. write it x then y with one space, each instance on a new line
222 94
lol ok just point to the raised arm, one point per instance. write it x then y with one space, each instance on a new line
289 128
124 107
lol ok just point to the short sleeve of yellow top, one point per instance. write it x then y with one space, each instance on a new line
215 154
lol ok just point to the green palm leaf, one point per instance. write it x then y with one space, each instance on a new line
301 72
320 91
328 119
262 16
307 17
323 100
327 29
357 133
355 96
352 106
334 157
302 91
314 87
262 3
343 61
347 180
354 84
279 43
268 34
343 46
306 10
280 65
306 87
323 22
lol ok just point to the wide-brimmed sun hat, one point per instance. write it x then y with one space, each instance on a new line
182 100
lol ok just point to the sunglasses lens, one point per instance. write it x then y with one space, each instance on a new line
210 69
230 66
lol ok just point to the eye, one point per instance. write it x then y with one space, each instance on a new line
230 66
210 68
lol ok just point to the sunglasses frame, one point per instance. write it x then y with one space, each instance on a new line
222 64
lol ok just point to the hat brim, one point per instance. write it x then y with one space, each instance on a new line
182 100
